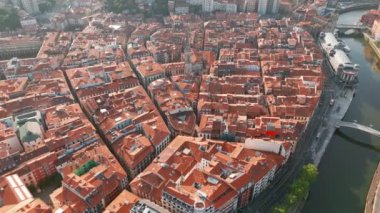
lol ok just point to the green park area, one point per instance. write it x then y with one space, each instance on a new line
159 7
298 190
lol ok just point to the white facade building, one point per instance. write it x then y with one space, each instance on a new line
250 5
273 6
226 6
262 7
342 65
208 5
273 146
195 2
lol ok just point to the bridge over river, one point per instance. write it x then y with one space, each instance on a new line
350 26
360 127
343 8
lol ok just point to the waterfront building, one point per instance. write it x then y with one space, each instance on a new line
370 17
376 29
341 64
330 42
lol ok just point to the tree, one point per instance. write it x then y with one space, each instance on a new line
46 6
160 7
197 9
279 209
227 137
309 173
32 189
291 199
9 20
118 6
299 188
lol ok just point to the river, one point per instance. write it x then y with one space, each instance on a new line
347 167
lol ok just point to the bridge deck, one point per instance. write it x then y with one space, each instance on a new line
347 26
359 127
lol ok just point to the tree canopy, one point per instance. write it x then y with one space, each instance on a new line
85 168
299 189
118 6
159 7
46 6
9 20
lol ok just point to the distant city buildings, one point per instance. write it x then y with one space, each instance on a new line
260 6
15 46
370 17
376 29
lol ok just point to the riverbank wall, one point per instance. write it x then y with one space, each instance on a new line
372 44
373 196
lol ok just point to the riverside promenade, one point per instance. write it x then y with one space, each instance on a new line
372 43
372 204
